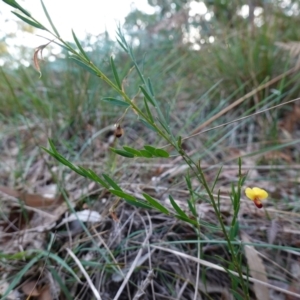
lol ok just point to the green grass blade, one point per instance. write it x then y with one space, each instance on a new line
19 275
59 280
63 264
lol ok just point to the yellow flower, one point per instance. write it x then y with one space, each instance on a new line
256 195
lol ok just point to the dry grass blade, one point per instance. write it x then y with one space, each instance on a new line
217 267
257 269
135 262
293 48
141 289
85 274
242 99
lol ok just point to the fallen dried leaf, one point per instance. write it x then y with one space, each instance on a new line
33 200
9 191
257 269
36 200
45 293
29 289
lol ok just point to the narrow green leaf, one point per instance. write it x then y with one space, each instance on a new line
148 110
145 153
32 23
150 149
130 199
123 195
122 153
147 96
121 44
60 45
92 175
116 102
179 142
65 162
16 5
96 178
156 152
216 179
79 46
192 208
132 150
60 158
189 184
161 153
155 204
188 220
234 230
84 171
111 182
114 69
150 87
49 19
83 65
138 204
52 146
165 126
148 125
177 208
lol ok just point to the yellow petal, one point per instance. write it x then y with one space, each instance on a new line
250 193
260 193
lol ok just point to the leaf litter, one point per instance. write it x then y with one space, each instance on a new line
111 251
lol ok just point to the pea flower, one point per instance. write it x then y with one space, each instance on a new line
256 195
